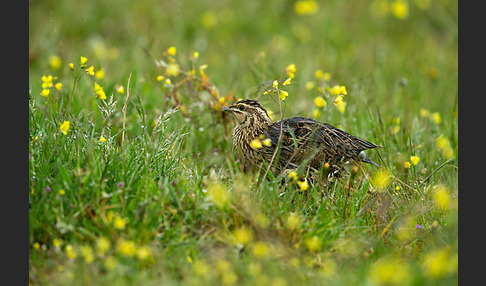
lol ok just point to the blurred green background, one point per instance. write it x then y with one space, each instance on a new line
362 43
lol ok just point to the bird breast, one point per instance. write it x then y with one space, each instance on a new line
242 138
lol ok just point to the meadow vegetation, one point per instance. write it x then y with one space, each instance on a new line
132 178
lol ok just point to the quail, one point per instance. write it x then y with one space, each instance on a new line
297 140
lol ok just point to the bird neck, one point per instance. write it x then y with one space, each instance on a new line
252 128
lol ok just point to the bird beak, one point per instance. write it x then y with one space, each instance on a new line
226 108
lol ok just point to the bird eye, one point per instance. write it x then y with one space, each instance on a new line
241 107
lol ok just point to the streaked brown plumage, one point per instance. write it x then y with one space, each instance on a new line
303 141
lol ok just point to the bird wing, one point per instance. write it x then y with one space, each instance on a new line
299 130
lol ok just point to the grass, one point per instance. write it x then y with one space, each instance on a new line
162 200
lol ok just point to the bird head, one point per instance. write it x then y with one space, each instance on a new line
248 112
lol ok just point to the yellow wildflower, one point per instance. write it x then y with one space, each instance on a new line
103 245
97 87
47 81
126 247
160 78
306 7
119 222
195 55
201 71
291 70
293 221
218 194
120 89
144 253
439 263
381 179
275 84
36 246
90 70
172 69
399 9
310 85
102 139
287 81
340 104
56 242
338 90
99 91
316 113
335 90
389 271
424 112
320 102
313 243
45 92
326 76
71 254
55 62
271 114
100 74
256 143
407 165
267 142
293 176
58 86
82 61
283 94
444 147
414 159
303 185
64 127
183 109
261 249
168 81
71 66
442 198
242 235
62 192
87 253
229 278
436 117
203 67
319 74
172 51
